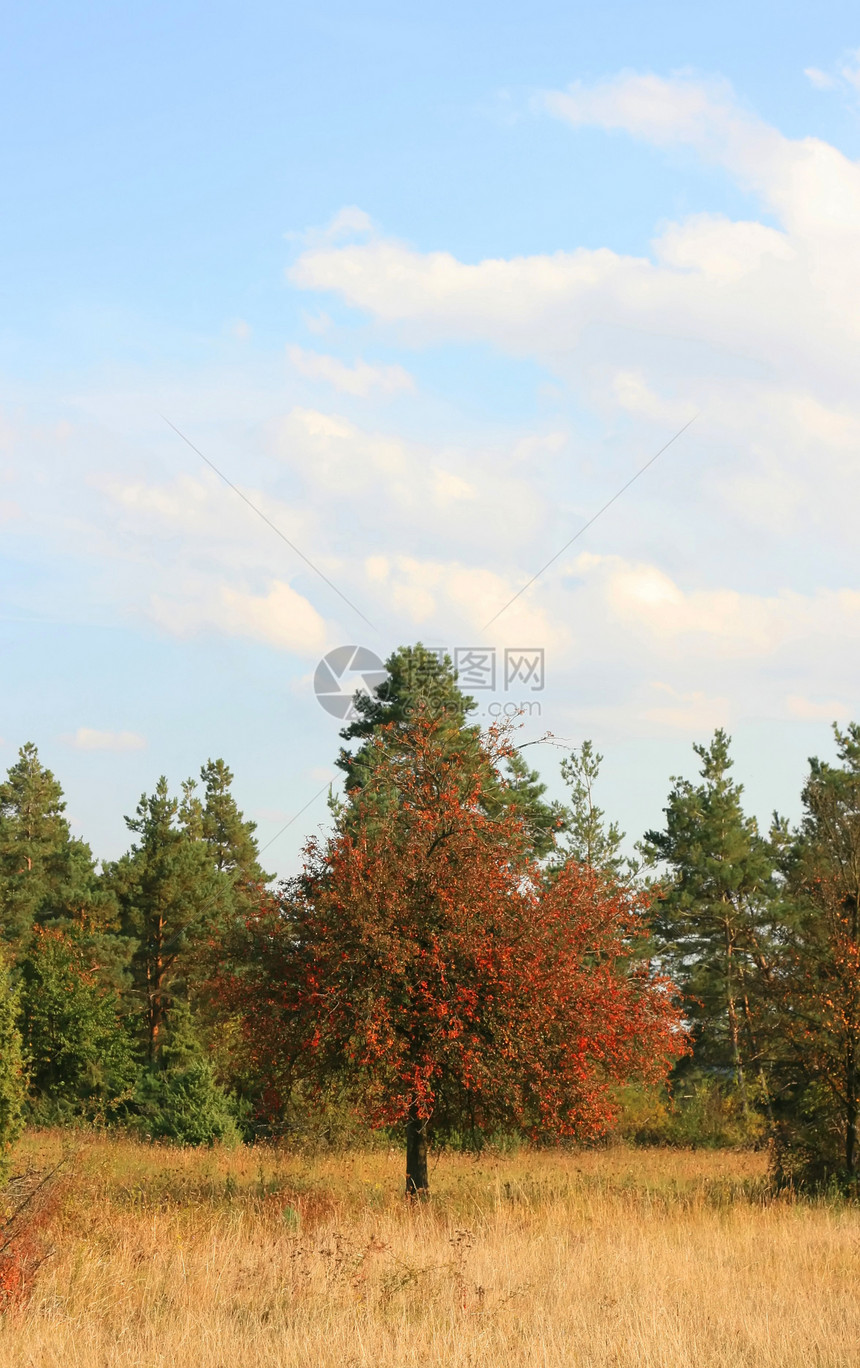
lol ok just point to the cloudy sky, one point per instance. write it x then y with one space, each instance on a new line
427 291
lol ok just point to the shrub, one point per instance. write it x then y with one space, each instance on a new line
701 1112
179 1097
187 1106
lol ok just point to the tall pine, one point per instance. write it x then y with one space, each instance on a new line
711 921
175 904
422 684
215 819
814 980
590 840
45 873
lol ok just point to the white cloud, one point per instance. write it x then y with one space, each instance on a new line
849 70
90 739
810 710
819 79
452 496
846 72
722 250
281 617
714 623
457 597
634 394
682 109
808 183
360 380
755 325
693 712
451 488
349 221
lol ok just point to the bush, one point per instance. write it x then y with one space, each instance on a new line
700 1112
179 1097
187 1106
809 1149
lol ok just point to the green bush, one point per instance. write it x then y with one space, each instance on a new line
700 1112
186 1105
809 1148
179 1097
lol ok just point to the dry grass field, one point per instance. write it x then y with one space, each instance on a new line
252 1259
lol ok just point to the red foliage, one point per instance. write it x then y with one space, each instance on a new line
18 1267
30 1202
430 960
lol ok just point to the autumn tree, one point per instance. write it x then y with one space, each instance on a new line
426 959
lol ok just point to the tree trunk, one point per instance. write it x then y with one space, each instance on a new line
733 1025
417 1182
851 1112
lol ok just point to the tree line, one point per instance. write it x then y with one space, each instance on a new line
459 957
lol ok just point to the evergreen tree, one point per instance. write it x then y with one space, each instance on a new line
12 1083
174 903
79 1052
813 980
422 683
45 873
229 836
711 922
524 791
179 1098
217 821
589 840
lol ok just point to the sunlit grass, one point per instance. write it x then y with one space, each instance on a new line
622 1257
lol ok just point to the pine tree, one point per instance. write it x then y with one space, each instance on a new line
814 978
79 1051
217 821
180 1098
589 840
422 684
175 905
45 873
711 922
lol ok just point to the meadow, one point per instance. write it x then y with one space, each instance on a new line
251 1258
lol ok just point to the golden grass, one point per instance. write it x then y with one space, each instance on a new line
253 1259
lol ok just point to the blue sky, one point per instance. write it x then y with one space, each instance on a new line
429 288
